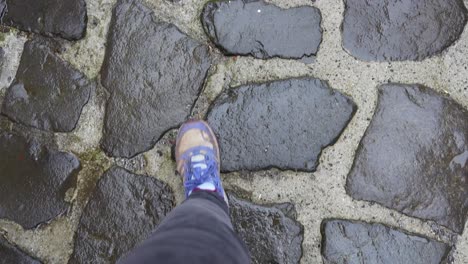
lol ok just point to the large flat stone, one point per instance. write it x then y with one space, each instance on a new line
47 93
34 177
396 30
3 8
153 72
350 242
2 58
282 124
122 211
413 156
11 255
62 18
263 30
271 233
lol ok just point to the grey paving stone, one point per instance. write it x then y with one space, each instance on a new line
263 30
62 18
396 30
283 124
2 8
47 93
122 211
271 233
11 255
34 177
358 242
2 58
413 156
153 72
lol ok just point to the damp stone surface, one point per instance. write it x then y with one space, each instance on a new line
53 18
35 177
397 30
413 156
270 232
359 242
153 73
283 124
47 92
263 30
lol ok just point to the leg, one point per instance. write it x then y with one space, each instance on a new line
197 231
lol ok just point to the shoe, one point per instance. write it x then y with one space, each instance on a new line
197 158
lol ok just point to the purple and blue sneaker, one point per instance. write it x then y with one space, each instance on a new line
197 157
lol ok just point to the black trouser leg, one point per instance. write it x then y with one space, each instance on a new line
197 231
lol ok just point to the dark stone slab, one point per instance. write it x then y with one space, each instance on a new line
3 9
282 124
154 73
2 57
122 211
263 30
11 255
413 156
397 30
53 18
47 92
271 233
358 242
34 177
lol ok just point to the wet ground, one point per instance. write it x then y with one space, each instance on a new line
343 125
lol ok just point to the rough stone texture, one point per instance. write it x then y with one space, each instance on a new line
34 177
271 233
2 54
282 124
63 18
11 255
2 57
263 30
413 157
154 73
396 30
358 242
2 8
47 92
122 211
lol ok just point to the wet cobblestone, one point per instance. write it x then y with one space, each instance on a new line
358 242
390 30
153 73
275 226
63 18
297 118
263 30
47 92
430 156
35 176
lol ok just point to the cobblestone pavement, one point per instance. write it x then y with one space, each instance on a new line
343 125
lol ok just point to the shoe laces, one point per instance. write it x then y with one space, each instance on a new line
201 169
